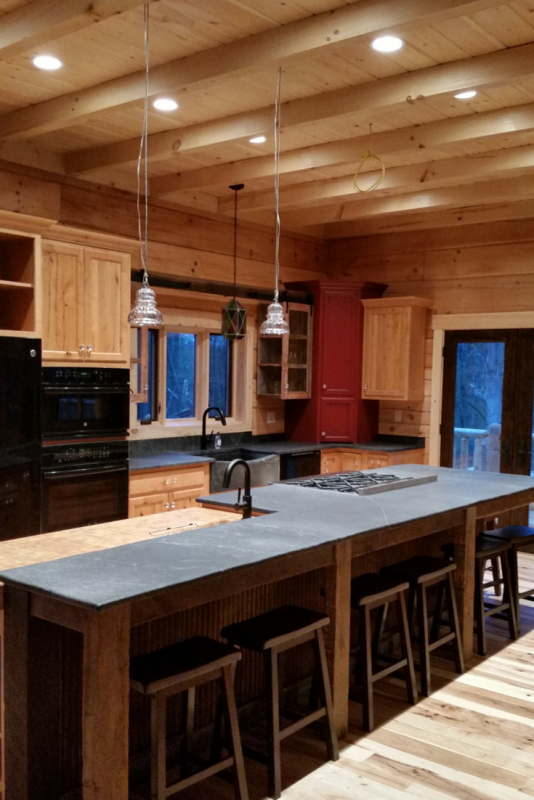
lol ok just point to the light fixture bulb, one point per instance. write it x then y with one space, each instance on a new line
144 311
275 323
465 95
258 140
47 62
165 104
387 44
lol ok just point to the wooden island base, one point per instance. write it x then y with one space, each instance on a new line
71 724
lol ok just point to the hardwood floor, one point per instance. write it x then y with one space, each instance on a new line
473 739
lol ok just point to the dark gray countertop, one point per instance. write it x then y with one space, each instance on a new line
282 448
139 463
296 519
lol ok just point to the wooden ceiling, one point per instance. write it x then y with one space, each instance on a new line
448 161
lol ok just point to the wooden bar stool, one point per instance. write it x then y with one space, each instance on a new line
422 572
179 668
518 537
271 634
370 591
491 549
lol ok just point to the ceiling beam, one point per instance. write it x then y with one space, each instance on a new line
499 191
41 21
480 72
209 67
433 174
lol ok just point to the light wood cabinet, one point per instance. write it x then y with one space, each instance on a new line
340 460
285 362
20 287
156 490
86 302
394 348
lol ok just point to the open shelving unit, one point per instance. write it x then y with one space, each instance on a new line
20 256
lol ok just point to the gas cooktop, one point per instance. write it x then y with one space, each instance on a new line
360 482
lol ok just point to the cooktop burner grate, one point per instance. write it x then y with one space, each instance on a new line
359 482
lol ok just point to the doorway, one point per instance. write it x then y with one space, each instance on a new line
487 407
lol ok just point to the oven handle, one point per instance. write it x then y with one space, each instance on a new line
57 474
85 389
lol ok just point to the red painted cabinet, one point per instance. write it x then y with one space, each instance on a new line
335 412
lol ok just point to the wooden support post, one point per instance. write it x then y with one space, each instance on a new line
464 577
338 632
106 658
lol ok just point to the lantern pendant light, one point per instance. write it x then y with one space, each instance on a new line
233 314
144 313
275 323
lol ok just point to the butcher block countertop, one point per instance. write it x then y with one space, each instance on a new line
53 546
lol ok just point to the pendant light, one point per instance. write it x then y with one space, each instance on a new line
275 323
144 313
233 314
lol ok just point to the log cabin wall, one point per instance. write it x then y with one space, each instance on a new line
468 268
182 244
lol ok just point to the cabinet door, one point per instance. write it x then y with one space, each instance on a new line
376 460
337 420
107 299
150 504
338 342
297 354
352 462
330 462
63 302
386 353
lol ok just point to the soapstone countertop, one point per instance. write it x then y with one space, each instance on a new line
295 519
160 460
294 448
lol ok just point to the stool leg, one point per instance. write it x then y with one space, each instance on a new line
422 631
320 656
436 621
509 596
367 669
479 607
189 725
406 647
274 766
496 575
514 577
158 726
455 624
381 616
240 787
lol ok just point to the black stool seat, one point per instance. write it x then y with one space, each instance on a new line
515 534
272 633
372 587
274 627
518 536
420 569
422 572
163 668
376 591
181 668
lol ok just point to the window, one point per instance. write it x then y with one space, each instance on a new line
181 375
220 374
145 375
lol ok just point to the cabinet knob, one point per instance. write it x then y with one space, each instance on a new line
82 348
173 505
324 385
287 385
365 386
323 433
166 481
167 505
174 480
89 348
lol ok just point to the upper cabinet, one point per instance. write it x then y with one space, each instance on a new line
20 284
285 362
394 348
86 302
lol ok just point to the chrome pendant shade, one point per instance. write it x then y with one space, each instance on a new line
145 310
275 324
233 314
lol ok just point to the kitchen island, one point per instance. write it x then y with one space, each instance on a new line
105 596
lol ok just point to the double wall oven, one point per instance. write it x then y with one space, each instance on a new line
84 413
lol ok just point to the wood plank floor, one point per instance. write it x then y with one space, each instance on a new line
473 739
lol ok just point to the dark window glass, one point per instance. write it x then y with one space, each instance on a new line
220 389
181 375
147 412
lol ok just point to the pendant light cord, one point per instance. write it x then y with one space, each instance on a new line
235 241
277 110
142 159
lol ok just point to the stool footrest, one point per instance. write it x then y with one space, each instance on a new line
200 776
389 669
440 642
302 723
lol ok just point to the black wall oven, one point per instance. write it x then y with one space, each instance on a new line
84 483
84 402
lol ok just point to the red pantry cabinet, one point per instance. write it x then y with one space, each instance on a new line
335 412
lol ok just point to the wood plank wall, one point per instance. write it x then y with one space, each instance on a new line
471 268
181 244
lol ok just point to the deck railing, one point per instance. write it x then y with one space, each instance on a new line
477 449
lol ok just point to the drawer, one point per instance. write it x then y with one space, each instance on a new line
376 460
144 506
352 462
150 482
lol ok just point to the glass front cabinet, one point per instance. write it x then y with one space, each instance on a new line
285 362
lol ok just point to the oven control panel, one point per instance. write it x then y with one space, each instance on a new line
65 455
84 376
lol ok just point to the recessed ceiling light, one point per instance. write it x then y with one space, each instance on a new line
47 62
165 104
465 95
387 44
258 140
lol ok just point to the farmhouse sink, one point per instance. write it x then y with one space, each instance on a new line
263 470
